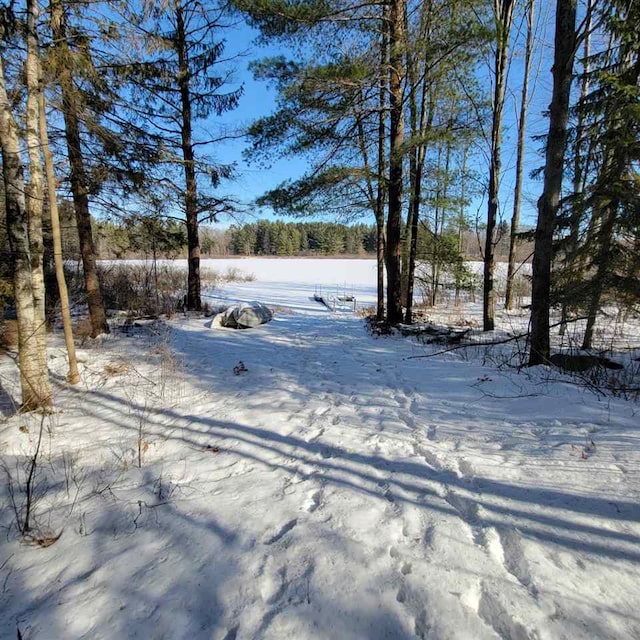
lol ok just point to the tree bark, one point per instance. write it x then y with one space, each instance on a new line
382 182
461 218
34 377
564 54
582 155
35 188
417 115
73 376
503 11
78 175
522 128
396 139
194 301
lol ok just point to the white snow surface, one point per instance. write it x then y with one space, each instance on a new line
334 490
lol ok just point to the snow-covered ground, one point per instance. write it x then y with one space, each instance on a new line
336 489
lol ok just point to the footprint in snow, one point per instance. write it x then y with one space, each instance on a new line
314 500
281 532
272 582
497 615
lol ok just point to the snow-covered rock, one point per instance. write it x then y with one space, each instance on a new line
243 316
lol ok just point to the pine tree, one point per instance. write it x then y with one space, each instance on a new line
180 82
63 69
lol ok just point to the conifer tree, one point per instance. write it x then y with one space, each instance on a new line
63 65
179 79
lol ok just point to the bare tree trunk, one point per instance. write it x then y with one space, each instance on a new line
34 377
78 176
443 216
381 182
580 162
73 376
522 128
396 139
35 188
414 205
416 168
194 300
564 53
463 182
503 14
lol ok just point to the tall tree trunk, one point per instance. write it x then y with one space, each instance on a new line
417 111
580 162
382 180
35 187
564 53
503 13
443 218
73 376
522 128
78 175
396 139
34 377
435 232
461 218
414 205
194 300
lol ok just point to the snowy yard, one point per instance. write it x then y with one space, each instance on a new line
335 490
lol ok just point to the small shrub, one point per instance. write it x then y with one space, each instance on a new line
233 274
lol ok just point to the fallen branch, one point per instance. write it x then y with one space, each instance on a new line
490 343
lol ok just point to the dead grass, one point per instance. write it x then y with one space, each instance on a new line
116 368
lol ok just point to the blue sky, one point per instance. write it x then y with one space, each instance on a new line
259 100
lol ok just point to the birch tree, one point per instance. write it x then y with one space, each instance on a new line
34 378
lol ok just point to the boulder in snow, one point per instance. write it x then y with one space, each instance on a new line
243 316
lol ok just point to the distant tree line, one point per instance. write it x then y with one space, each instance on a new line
143 236
265 238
